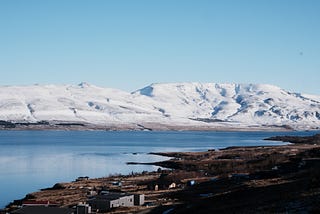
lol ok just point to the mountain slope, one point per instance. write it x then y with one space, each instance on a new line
250 104
158 106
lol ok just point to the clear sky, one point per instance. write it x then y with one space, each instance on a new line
131 44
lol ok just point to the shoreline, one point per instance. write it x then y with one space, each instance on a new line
146 126
268 167
138 127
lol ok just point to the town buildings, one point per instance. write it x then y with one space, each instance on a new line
109 200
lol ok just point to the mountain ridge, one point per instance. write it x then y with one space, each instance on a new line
207 106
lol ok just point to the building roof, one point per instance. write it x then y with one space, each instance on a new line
31 202
111 196
42 210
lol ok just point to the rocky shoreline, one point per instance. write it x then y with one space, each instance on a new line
315 139
267 179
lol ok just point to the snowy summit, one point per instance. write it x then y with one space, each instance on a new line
175 106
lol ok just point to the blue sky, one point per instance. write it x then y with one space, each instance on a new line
130 44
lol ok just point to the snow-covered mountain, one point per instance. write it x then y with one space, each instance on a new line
160 106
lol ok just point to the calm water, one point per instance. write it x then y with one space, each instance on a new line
30 160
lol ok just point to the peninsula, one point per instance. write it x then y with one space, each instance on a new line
243 179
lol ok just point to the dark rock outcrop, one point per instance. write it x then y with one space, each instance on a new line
315 139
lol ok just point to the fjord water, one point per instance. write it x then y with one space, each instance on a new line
30 160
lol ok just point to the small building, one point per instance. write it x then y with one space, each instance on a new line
172 185
91 193
138 199
117 183
156 187
153 186
104 192
126 201
112 200
85 178
83 209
